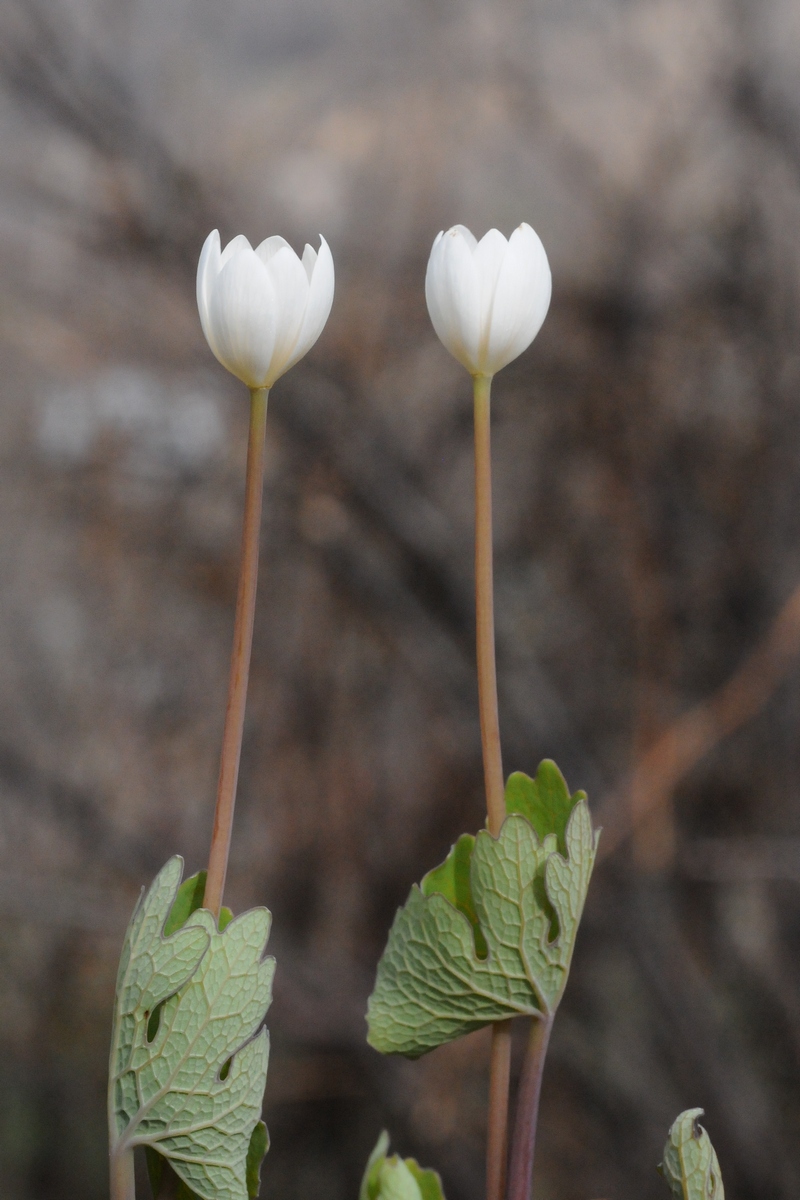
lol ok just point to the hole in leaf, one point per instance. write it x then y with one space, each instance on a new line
225 1069
153 1022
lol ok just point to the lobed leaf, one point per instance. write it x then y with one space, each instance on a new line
690 1164
490 934
189 1051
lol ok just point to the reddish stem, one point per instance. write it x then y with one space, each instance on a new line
500 1061
530 1087
484 609
240 657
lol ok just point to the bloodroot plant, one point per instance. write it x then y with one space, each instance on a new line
486 937
189 1049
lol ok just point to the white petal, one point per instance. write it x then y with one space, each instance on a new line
320 299
432 286
242 315
234 246
291 293
467 235
489 257
452 291
207 271
521 300
309 258
270 247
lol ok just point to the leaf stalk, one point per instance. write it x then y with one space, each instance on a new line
123 1181
240 656
530 1087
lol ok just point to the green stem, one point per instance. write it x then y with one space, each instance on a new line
240 657
500 1061
530 1087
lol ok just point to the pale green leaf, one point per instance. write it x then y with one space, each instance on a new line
259 1145
433 984
452 880
545 801
690 1164
429 1182
192 1090
395 1181
369 1182
188 899
163 1180
395 1178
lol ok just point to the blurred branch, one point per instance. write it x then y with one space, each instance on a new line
695 734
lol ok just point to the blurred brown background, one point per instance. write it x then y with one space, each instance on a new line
647 457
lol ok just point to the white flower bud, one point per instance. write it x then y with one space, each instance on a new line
487 300
262 309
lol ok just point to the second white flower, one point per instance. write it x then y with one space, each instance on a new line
487 299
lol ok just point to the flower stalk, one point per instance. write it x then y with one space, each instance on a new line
240 656
500 1059
484 608
487 300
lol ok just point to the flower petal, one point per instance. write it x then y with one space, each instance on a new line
489 257
432 285
320 299
243 316
270 247
291 293
207 271
309 259
467 235
521 299
452 291
234 247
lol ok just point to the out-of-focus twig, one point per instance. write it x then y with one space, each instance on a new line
688 739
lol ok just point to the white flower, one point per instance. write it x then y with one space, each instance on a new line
487 300
262 309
